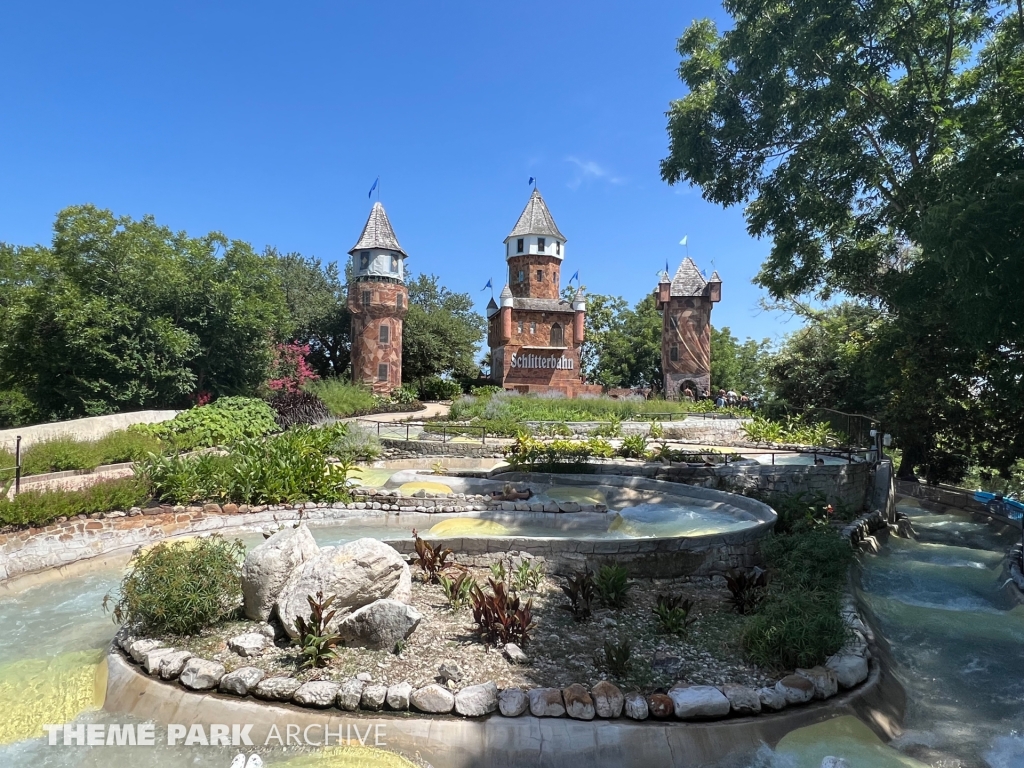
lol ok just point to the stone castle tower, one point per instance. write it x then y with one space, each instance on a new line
378 301
685 304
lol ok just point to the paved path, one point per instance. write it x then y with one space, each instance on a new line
432 410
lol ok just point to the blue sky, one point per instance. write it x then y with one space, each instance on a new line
270 121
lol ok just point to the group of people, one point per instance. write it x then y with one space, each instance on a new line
723 399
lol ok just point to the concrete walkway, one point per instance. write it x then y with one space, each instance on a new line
431 411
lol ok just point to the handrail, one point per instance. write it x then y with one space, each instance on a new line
17 465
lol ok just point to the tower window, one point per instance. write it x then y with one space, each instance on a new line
540 244
558 248
673 353
385 334
382 372
519 245
394 262
540 276
533 327
520 326
364 260
366 298
400 301
521 276
557 339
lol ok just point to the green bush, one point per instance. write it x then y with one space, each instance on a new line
529 451
181 587
220 423
343 398
16 409
795 430
436 388
403 395
36 508
353 443
794 628
284 468
59 454
613 585
809 560
633 447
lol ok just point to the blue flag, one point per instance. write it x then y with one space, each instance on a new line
488 285
370 193
666 265
575 276
530 181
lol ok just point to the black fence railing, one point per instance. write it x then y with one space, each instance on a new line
425 430
4 477
855 427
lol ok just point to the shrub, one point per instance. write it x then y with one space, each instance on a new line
611 428
500 616
617 658
527 577
458 592
436 388
343 398
746 588
581 591
432 561
795 429
795 628
403 395
293 407
181 587
59 454
613 585
36 507
222 422
810 560
529 451
674 614
290 369
485 391
127 445
355 443
16 409
315 639
633 447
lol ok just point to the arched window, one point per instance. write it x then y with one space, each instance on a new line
557 340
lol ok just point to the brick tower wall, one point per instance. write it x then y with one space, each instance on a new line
383 308
546 286
690 334
540 371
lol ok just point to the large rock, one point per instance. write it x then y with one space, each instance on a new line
849 669
771 698
201 675
151 660
512 702
515 654
742 700
403 592
277 688
796 689
433 699
660 706
374 696
172 664
268 566
477 700
635 706
316 693
241 681
398 696
823 680
357 574
698 701
139 648
546 702
578 703
380 625
608 699
349 695
249 644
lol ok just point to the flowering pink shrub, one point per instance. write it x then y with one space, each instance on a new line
202 397
290 369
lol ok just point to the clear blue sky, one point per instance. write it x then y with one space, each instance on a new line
270 121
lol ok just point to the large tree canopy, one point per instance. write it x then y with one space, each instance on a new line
880 145
440 333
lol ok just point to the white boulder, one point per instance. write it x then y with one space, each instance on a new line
477 700
268 566
380 624
693 701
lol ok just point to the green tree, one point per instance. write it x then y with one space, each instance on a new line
627 350
736 366
440 333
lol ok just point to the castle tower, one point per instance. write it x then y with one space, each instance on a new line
685 303
378 301
534 251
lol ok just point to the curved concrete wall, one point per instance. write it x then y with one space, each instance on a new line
92 428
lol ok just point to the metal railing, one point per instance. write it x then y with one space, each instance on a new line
855 426
415 430
16 467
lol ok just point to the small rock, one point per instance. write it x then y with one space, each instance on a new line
349 695
449 671
201 675
512 702
433 699
316 693
698 701
636 706
823 679
241 681
771 698
364 677
665 664
151 660
172 664
515 654
834 762
249 644
849 669
398 696
268 631
477 700
660 706
374 696
578 703
796 688
743 700
277 688
546 702
139 648
607 699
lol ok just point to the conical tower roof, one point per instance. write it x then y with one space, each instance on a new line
688 280
536 219
378 233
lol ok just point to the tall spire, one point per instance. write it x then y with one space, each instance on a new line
688 280
378 233
536 219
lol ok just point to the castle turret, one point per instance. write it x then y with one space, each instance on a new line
534 251
378 301
685 303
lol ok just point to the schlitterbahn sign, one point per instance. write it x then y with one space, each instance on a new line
559 362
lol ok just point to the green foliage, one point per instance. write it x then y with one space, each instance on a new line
316 640
611 428
735 366
432 560
746 588
498 571
612 585
808 560
527 577
404 395
794 429
674 614
501 617
342 398
529 451
657 430
485 391
354 443
63 453
436 388
458 591
794 628
666 453
633 447
181 587
440 332
284 468
617 658
16 408
220 423
799 512
37 507
581 591
291 408
622 345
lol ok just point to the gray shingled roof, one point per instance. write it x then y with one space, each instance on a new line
506 292
547 305
715 278
688 280
378 232
536 220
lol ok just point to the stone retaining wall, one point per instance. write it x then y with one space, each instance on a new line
410 449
